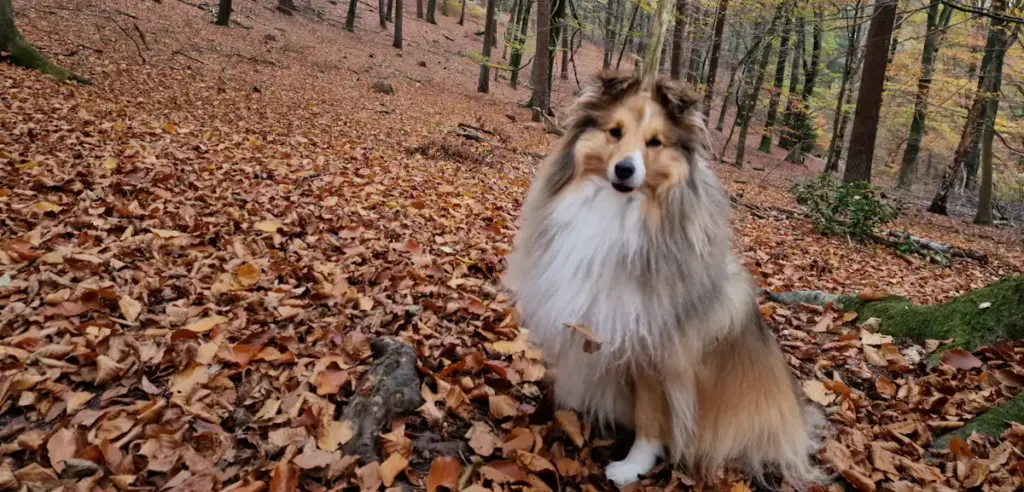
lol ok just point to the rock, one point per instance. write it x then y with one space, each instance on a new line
383 87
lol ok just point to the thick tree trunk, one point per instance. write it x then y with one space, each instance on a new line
541 90
389 16
675 69
22 53
398 24
483 83
419 9
224 13
660 21
869 99
462 14
286 6
557 27
350 16
381 7
520 41
716 49
431 7
780 77
755 91
993 86
971 154
937 22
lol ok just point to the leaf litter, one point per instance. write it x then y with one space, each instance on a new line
194 260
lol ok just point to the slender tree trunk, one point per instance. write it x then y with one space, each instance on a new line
716 49
389 16
993 86
937 22
22 53
678 37
381 6
656 40
541 90
627 37
286 6
780 77
398 24
462 14
511 28
483 83
972 153
565 55
755 91
224 13
557 27
444 8
419 9
869 99
786 138
520 41
835 146
431 7
350 16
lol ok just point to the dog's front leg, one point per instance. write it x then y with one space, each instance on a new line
652 422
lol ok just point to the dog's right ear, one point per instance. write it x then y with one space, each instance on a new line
613 85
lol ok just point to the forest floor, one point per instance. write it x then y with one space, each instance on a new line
197 250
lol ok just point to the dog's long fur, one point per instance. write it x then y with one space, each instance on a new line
685 357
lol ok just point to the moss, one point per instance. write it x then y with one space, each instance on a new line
991 423
960 318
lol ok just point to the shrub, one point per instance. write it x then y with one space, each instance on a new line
850 210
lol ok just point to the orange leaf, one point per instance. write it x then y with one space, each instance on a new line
960 359
502 406
871 294
570 425
444 472
591 343
285 478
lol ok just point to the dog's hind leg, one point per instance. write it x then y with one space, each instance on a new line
652 423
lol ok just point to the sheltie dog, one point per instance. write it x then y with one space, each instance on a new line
625 231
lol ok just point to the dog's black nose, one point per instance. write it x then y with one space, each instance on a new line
624 169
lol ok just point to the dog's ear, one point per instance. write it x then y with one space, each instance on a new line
613 85
676 97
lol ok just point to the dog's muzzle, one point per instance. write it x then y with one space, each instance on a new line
628 173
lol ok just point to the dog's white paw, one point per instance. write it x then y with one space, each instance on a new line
625 472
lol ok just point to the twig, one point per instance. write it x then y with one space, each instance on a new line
186 55
142 36
129 36
78 49
126 14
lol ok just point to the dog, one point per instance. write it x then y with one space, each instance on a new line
625 231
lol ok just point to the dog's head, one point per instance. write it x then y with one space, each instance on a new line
640 138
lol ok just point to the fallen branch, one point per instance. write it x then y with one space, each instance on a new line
186 55
390 388
943 249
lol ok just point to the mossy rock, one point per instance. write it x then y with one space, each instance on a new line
992 314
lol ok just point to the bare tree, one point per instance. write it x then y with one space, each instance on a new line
519 41
431 7
419 9
22 53
676 64
716 49
755 91
483 83
350 16
541 90
462 15
780 78
381 6
223 13
869 99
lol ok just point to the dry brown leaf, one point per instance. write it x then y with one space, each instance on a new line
817 392
391 467
874 357
444 472
206 324
334 434
825 323
502 407
62 446
370 477
886 387
503 471
285 436
882 459
312 457
871 294
533 462
482 440
185 381
269 225
396 442
247 275
517 439
130 308
570 425
961 359
285 478
107 369
45 206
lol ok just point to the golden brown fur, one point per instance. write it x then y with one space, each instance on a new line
686 359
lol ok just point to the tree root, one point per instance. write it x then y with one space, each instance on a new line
25 55
992 423
390 388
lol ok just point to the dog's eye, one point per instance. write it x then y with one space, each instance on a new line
615 132
654 142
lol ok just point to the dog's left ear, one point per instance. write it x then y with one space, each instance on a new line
676 97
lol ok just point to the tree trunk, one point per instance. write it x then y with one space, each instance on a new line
786 139
431 7
381 6
22 53
780 76
937 22
869 99
656 38
389 15
940 201
694 68
286 6
800 127
565 55
520 41
483 83
627 38
609 35
842 113
678 37
557 26
398 24
510 29
993 86
462 14
224 13
419 9
716 48
755 91
971 154
444 8
350 16
541 91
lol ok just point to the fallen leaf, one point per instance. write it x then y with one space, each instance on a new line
285 478
391 467
503 471
247 275
45 206
502 406
206 324
825 323
269 225
396 441
886 387
960 359
482 440
533 462
130 308
61 447
370 477
816 391
166 233
334 434
311 457
444 472
871 294
570 425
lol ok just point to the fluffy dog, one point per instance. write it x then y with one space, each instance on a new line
625 231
